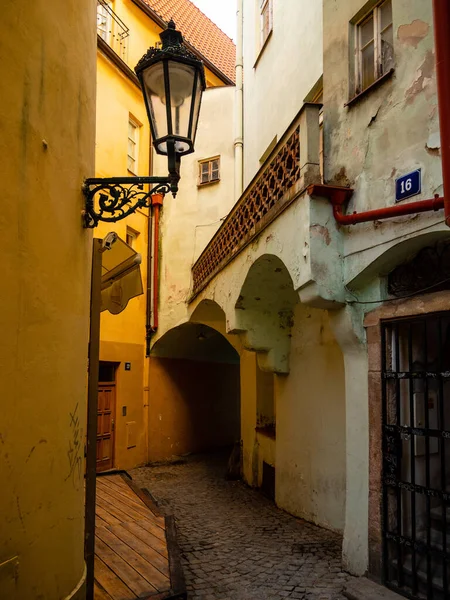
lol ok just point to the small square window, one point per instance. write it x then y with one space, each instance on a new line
133 146
374 46
209 171
266 19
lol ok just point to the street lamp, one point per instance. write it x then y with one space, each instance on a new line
172 81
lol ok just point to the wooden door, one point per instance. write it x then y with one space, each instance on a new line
105 426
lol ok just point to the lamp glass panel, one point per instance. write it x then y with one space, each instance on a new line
197 100
154 88
181 77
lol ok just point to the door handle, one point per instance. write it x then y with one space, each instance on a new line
112 425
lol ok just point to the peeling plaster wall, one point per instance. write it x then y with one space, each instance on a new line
390 131
277 79
310 447
47 128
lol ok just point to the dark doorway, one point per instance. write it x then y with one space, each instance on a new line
416 455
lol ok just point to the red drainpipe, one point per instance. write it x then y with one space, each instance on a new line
339 195
441 11
157 202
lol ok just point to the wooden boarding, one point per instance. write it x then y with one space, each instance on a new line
136 554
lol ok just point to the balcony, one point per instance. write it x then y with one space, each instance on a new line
290 168
112 29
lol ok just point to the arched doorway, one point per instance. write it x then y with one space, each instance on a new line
194 395
294 423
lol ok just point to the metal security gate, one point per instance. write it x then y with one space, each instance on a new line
416 455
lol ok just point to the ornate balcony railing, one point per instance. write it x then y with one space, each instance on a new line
112 29
292 165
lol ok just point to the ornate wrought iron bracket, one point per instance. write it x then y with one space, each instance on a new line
114 198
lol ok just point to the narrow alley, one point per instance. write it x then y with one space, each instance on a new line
235 543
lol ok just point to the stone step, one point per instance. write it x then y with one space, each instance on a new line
363 589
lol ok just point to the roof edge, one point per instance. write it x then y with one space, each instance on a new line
159 21
106 49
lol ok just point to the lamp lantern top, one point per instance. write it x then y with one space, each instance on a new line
172 80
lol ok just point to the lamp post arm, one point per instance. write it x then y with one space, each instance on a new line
174 167
112 199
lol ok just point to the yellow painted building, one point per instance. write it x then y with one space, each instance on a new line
47 126
125 29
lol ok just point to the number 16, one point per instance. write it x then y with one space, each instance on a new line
406 186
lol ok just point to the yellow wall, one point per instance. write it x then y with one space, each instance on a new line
310 401
257 446
122 335
130 435
47 124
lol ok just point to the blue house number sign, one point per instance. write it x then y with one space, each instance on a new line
408 185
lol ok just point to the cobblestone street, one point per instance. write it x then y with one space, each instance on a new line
235 544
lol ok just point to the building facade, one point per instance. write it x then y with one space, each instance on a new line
340 328
47 123
381 133
125 29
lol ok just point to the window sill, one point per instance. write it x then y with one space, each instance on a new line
208 183
263 47
372 86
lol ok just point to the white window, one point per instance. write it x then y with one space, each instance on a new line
266 19
104 20
133 145
374 46
209 170
131 237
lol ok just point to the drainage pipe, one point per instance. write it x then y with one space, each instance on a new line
339 195
441 11
148 312
239 106
157 202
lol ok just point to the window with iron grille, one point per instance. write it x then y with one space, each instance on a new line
374 46
209 171
133 145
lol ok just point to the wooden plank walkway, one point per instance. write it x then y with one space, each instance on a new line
136 554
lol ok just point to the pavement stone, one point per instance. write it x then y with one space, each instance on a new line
235 543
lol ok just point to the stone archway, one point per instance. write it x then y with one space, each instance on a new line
194 397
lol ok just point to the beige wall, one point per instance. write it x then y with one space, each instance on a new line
191 219
193 406
286 70
310 450
47 125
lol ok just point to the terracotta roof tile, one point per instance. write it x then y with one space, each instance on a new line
200 32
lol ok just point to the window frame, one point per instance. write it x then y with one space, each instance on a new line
136 125
133 235
209 162
378 72
104 13
263 4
